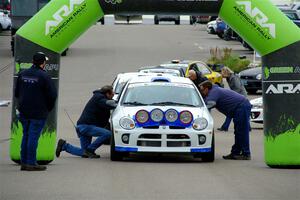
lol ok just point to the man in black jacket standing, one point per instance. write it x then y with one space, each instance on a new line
36 96
91 123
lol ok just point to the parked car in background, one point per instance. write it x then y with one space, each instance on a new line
201 19
5 4
211 27
187 65
221 26
161 114
5 22
252 79
292 15
175 18
257 114
128 19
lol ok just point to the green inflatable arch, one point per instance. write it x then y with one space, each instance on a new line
259 22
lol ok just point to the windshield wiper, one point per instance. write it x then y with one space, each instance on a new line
165 103
134 103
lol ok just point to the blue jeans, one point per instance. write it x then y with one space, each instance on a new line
32 129
241 122
85 134
226 124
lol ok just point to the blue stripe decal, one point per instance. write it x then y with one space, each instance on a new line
201 150
126 149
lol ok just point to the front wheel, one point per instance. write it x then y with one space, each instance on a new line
115 155
177 22
210 156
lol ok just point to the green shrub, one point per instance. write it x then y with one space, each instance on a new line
224 57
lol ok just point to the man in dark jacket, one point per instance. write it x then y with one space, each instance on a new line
91 123
236 106
196 77
36 96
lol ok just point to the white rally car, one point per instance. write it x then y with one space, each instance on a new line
161 113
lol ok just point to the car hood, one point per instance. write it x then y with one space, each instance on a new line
253 71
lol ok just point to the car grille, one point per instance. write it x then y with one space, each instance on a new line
164 140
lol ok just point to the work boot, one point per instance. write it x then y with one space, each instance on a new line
222 129
237 157
23 167
59 147
89 154
33 168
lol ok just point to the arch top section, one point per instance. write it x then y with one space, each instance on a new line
260 23
176 7
60 23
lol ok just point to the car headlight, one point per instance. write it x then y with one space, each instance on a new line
157 115
186 117
127 123
200 124
171 115
258 77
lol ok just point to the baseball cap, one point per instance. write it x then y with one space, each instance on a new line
40 57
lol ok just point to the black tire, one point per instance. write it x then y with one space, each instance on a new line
211 30
210 157
115 155
156 21
220 35
102 21
1 29
177 22
251 91
64 53
192 20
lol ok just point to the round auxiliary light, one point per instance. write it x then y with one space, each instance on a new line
202 139
157 115
171 115
127 123
142 116
186 117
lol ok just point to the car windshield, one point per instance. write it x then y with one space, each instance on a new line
161 94
179 65
120 85
203 69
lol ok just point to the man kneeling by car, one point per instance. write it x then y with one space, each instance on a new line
236 106
91 123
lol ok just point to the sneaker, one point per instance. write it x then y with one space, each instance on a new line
237 157
88 154
33 168
222 129
59 147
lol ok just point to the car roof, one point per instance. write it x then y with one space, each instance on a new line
161 78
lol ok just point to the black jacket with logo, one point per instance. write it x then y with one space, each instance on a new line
97 110
35 93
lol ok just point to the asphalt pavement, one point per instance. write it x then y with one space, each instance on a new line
93 61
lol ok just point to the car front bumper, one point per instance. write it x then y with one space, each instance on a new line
163 140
